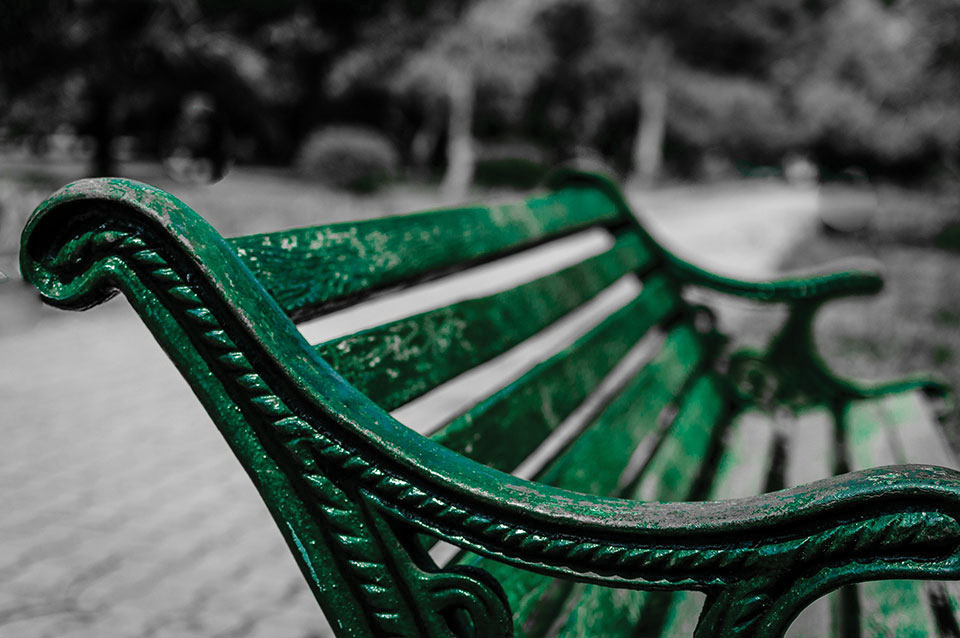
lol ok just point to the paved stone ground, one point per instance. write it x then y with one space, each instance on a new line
122 511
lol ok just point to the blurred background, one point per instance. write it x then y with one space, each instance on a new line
760 136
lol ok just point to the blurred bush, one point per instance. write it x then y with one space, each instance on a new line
512 165
845 126
348 158
512 172
733 117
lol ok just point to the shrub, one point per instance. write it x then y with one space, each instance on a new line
510 164
512 172
734 117
348 157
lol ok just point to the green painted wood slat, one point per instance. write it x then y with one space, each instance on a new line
307 269
811 456
742 471
887 607
918 438
396 362
594 462
669 476
502 430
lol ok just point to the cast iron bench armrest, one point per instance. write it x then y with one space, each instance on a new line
805 378
824 284
342 477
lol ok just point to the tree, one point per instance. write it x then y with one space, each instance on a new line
446 60
650 46
491 43
98 61
566 106
876 86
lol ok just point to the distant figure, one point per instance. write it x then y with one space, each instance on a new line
201 147
798 170
847 202
3 277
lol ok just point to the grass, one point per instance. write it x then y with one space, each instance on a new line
914 324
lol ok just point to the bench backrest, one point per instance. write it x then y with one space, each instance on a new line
313 271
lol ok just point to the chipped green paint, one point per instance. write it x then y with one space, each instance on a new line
590 465
505 428
889 607
396 362
594 462
351 488
741 471
308 269
669 476
815 287
672 472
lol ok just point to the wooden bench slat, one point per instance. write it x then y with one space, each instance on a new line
306 270
594 461
745 463
742 471
920 439
401 360
895 608
671 473
868 434
887 607
502 430
811 447
670 476
682 615
821 619
811 456
949 593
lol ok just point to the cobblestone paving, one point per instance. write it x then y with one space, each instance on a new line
123 512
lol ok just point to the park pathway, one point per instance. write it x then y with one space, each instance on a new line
123 513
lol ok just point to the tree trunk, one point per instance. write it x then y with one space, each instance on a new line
101 127
652 103
461 158
425 140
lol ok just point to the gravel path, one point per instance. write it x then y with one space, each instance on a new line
125 514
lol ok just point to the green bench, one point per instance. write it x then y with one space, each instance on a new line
661 478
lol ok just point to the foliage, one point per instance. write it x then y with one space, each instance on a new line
867 89
949 238
107 67
865 83
564 112
348 157
736 116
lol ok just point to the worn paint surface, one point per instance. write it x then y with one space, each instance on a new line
307 269
399 361
741 471
594 462
505 428
669 476
350 487
889 607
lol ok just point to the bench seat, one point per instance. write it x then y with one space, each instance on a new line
621 468
896 429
